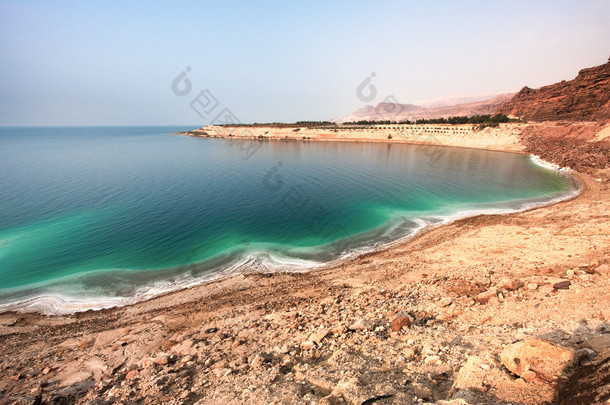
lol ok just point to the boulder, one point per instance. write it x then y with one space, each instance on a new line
537 360
598 343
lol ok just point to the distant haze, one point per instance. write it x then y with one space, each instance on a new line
440 108
453 100
113 62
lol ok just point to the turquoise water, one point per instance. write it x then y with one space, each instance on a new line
96 216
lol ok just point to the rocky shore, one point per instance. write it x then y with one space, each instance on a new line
510 309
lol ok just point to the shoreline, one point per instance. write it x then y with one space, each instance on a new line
501 139
49 304
225 276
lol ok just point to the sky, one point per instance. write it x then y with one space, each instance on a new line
72 63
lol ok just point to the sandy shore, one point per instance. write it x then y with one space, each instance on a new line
504 138
441 317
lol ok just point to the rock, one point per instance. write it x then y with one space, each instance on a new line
580 99
409 353
467 397
435 359
73 378
598 343
237 343
562 285
362 324
331 400
536 360
584 356
106 338
511 284
400 322
594 264
421 390
445 302
429 349
168 344
471 378
220 364
544 270
319 335
161 361
183 348
485 296
603 269
532 286
257 360
222 372
132 374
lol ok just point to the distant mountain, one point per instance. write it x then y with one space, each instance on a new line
586 98
447 101
411 112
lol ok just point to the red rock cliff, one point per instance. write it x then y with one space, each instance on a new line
586 98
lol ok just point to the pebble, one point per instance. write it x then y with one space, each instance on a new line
319 335
168 345
562 285
409 353
258 359
400 322
363 324
512 284
222 372
161 361
445 302
603 269
485 296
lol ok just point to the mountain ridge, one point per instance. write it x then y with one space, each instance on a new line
402 112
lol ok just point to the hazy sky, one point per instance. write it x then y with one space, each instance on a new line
113 62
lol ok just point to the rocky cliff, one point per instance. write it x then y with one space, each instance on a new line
586 98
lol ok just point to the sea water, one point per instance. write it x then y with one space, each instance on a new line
98 216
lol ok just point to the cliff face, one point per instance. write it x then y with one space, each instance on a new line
586 98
